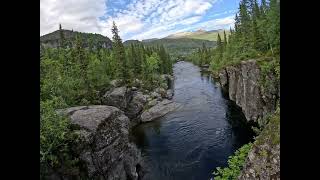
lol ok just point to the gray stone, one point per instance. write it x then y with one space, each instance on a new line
155 95
159 110
152 103
169 94
135 106
117 97
242 82
161 91
104 145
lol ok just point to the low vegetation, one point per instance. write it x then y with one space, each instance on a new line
235 163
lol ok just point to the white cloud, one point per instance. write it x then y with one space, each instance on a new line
139 19
80 15
190 20
222 23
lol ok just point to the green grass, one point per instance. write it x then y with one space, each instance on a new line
211 36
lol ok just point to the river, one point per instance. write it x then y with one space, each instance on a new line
190 142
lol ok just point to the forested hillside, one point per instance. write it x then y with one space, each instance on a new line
176 47
256 34
66 38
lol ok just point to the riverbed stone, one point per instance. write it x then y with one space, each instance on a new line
159 110
135 106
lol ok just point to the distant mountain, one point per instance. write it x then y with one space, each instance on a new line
199 34
53 39
149 40
176 47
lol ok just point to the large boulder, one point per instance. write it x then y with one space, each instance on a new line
118 97
104 145
135 106
160 109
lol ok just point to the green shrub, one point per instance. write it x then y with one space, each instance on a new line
235 164
55 137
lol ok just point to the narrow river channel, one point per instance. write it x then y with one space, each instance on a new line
189 143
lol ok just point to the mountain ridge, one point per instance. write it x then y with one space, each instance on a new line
52 39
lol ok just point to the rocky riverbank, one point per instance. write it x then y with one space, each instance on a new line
103 147
242 82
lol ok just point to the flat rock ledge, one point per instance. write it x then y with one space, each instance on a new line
159 110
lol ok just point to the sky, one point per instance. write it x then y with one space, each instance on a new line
137 19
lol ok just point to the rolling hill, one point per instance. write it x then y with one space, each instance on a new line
53 39
199 34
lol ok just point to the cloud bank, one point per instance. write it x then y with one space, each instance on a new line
136 19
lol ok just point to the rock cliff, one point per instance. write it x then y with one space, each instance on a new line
243 84
258 100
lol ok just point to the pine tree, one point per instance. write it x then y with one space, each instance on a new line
263 7
80 59
119 53
274 25
225 39
163 60
219 47
62 39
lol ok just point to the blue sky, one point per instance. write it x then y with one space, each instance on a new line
137 19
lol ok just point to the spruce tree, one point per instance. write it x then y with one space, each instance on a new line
225 39
274 25
219 47
62 39
119 53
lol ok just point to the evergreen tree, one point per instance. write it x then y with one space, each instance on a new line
225 39
119 53
274 25
80 55
219 49
62 39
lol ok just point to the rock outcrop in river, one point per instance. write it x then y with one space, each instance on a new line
141 106
243 84
160 109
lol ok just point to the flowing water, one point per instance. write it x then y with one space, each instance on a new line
190 142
